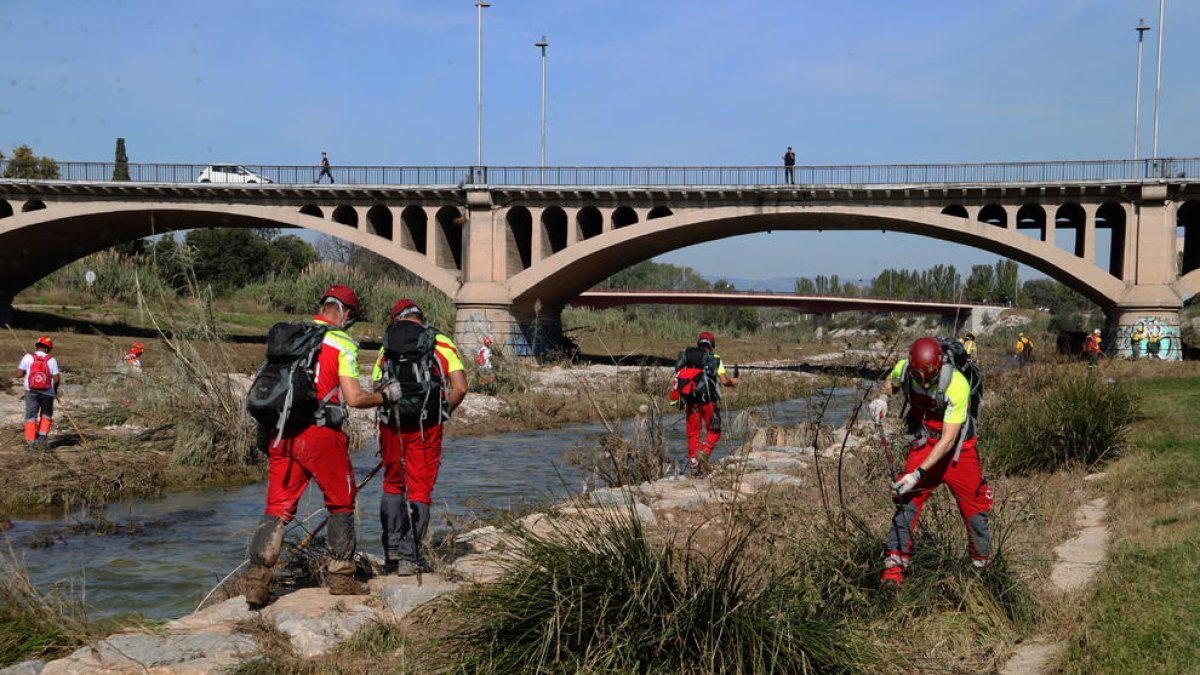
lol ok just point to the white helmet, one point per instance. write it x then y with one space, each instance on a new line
1096 331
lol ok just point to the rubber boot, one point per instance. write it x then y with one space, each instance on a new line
342 542
394 522
256 586
410 546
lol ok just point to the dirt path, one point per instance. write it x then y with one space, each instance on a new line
1078 560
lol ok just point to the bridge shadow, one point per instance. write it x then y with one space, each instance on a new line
44 322
858 371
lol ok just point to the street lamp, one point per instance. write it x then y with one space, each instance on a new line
1162 9
1137 92
479 5
542 44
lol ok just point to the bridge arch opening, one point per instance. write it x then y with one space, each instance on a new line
659 212
994 214
379 221
1188 230
5 209
590 222
414 226
346 215
520 239
554 229
33 205
956 210
1072 219
1111 216
623 216
450 235
312 210
1032 217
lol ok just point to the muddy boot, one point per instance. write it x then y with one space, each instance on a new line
344 583
256 586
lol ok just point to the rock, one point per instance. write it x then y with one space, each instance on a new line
753 483
225 613
202 652
480 568
790 449
315 621
402 594
612 496
487 539
759 440
24 668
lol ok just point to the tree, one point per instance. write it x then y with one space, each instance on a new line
805 286
24 164
228 258
121 162
981 284
289 255
1005 287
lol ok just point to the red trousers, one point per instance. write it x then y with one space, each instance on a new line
318 453
970 490
411 459
707 414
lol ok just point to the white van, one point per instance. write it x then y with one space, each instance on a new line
230 173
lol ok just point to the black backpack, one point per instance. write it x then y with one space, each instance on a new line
283 395
695 376
408 358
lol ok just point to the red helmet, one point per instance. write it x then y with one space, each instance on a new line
137 348
46 342
706 337
405 307
487 341
925 358
344 295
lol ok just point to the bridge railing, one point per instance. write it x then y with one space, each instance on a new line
1085 171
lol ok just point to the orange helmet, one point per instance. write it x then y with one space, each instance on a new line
706 337
137 348
45 342
925 358
344 295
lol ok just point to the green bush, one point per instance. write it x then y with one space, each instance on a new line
117 278
1078 419
602 597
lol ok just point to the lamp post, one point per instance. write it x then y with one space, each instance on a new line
1162 9
1137 92
542 44
479 5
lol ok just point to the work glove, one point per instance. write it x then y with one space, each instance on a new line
392 392
907 482
878 408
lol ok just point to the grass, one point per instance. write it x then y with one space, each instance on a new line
1142 615
35 624
1050 418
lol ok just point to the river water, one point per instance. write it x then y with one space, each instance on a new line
190 540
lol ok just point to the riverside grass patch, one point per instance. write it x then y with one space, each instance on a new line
35 624
1058 417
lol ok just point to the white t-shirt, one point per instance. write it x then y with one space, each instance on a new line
485 355
27 363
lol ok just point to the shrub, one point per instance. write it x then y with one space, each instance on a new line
1076 419
34 624
604 598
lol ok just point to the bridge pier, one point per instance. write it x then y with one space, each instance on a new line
1153 312
519 330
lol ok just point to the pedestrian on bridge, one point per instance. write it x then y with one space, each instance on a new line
325 168
789 166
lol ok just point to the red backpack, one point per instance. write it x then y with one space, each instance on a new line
40 378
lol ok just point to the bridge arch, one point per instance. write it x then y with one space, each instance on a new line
47 239
560 278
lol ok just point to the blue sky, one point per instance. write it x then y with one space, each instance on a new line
660 82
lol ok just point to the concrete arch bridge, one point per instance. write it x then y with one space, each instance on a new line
513 245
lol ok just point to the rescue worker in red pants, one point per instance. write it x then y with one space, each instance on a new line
425 365
317 450
701 402
943 451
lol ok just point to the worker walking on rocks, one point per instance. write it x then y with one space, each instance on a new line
1023 349
1092 348
943 450
299 398
39 372
423 365
699 376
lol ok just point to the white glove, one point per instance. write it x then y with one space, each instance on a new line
907 482
391 392
878 408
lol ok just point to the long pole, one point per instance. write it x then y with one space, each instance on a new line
1137 92
479 5
1162 9
543 44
